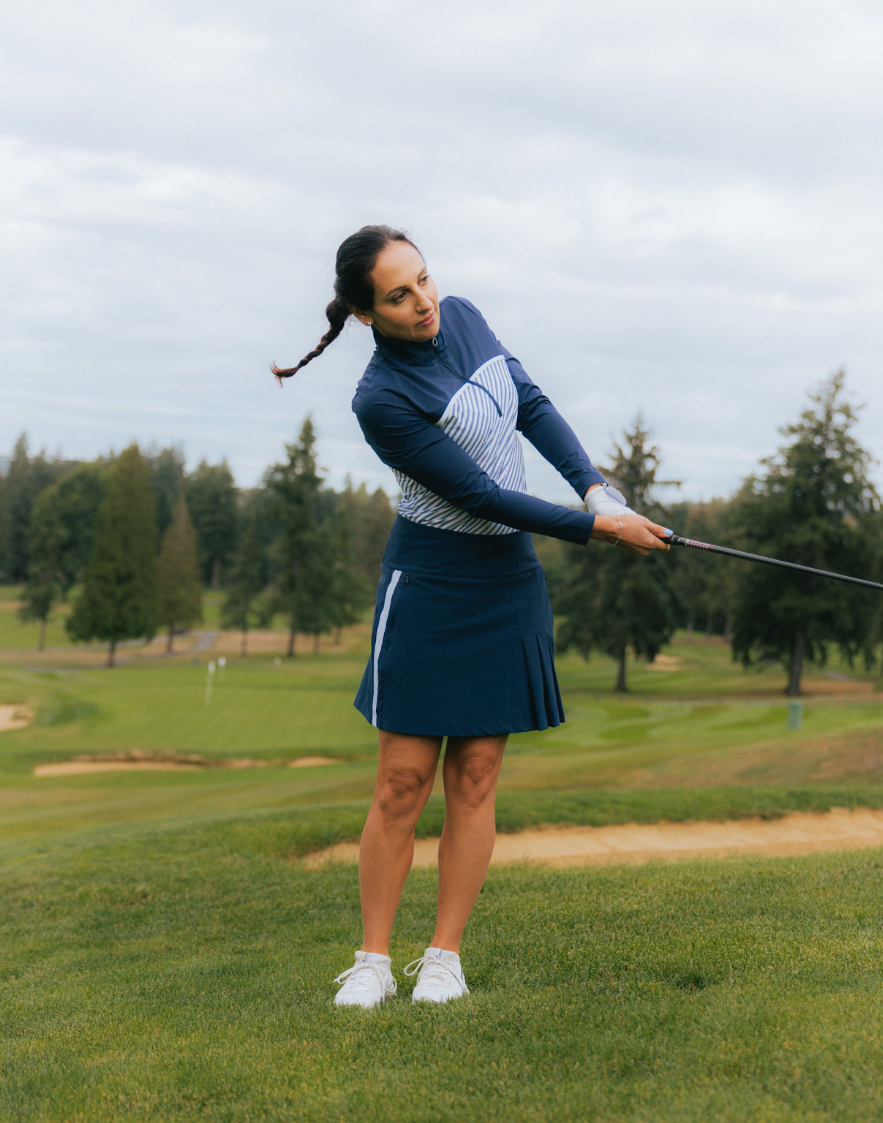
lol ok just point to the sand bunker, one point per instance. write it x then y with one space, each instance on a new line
797 833
139 761
77 767
14 717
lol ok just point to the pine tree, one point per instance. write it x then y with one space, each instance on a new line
302 586
118 600
815 506
167 480
702 590
25 479
371 515
350 591
211 499
178 588
72 504
613 600
46 580
243 609
314 597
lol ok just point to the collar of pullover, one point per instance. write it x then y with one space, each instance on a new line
411 352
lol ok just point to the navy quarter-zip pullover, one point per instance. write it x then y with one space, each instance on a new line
445 416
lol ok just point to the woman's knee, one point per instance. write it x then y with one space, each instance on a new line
473 779
402 791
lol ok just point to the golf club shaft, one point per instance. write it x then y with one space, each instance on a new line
676 540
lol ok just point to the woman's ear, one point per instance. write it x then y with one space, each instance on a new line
363 317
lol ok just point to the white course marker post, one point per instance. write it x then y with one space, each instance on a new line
222 663
209 679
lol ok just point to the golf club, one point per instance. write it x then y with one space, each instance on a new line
676 540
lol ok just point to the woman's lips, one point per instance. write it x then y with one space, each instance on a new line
425 323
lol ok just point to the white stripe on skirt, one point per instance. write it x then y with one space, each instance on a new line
378 639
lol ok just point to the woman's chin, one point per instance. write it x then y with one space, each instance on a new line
422 332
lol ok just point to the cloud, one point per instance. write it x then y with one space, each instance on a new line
669 207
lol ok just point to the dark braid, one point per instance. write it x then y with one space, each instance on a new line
353 287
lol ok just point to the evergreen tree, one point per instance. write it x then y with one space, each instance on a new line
614 600
118 600
39 596
178 587
46 583
243 608
371 515
350 591
26 477
316 586
815 506
167 480
703 590
65 514
211 500
302 585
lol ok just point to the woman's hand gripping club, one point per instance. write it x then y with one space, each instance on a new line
617 523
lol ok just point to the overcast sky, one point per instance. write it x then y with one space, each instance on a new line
674 207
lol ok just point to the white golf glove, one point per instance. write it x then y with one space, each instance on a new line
606 500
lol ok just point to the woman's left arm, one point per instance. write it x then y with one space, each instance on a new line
550 434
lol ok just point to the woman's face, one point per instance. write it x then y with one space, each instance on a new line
405 296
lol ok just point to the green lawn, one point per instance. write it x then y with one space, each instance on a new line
713 734
163 955
185 974
14 634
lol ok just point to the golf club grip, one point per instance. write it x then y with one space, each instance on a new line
677 540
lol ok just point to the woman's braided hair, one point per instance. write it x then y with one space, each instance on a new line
353 287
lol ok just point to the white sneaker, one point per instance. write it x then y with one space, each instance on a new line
440 978
368 982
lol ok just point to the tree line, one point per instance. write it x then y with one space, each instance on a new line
133 539
813 502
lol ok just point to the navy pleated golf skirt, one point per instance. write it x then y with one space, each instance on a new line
462 643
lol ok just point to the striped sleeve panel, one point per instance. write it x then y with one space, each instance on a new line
481 417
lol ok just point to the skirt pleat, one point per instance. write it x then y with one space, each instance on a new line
545 696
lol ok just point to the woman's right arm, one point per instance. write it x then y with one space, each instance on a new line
411 444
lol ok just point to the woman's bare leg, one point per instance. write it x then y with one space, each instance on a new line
405 774
471 768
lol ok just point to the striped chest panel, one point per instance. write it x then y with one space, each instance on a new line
481 418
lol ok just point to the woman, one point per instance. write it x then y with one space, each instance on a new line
462 644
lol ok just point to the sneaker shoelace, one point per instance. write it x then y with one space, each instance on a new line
436 969
358 977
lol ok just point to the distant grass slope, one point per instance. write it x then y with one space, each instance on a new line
276 713
187 974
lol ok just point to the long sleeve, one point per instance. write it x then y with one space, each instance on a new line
408 443
549 433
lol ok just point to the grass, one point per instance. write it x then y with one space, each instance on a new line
185 974
14 634
163 956
710 736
